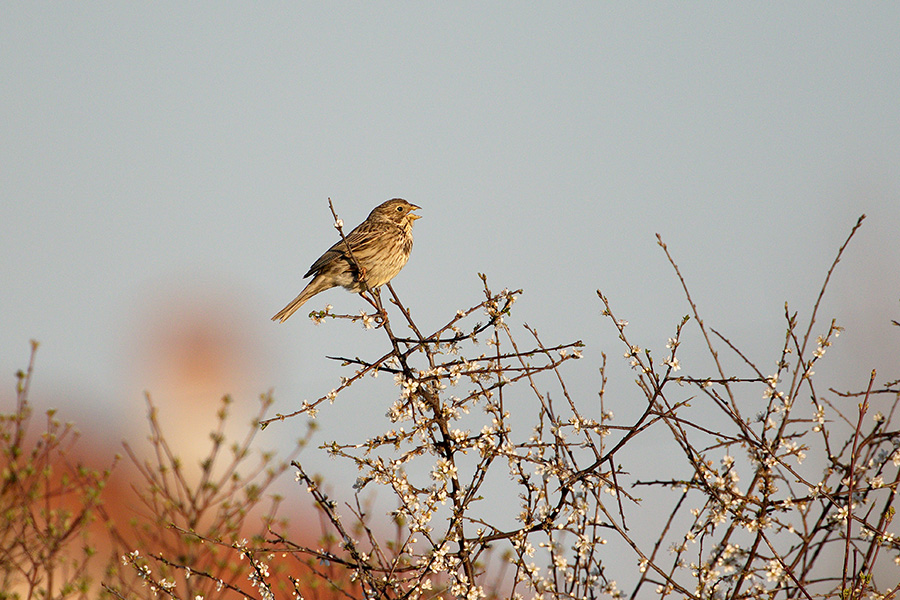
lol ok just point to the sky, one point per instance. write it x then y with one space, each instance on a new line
165 170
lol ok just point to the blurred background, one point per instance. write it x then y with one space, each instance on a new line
165 170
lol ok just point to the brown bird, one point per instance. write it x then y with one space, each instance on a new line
380 245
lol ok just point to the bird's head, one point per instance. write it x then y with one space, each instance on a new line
397 211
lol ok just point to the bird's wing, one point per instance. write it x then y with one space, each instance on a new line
363 235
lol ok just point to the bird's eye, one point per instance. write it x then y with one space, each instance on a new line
400 208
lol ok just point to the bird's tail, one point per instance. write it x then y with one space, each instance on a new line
314 287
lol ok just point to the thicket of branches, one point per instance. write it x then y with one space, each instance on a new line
791 500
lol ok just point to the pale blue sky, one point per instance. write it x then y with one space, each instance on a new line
164 155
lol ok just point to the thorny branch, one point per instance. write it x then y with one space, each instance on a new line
753 540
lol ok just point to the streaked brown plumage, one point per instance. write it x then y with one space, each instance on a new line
381 245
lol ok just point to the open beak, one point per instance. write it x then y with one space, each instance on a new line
412 215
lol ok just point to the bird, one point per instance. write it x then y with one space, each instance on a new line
380 246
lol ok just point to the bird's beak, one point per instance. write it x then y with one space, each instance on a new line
414 216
